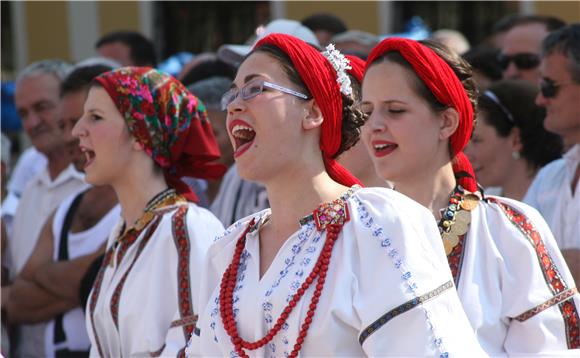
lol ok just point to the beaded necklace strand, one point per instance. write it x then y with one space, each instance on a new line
165 198
331 217
456 217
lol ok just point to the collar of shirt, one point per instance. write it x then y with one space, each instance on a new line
572 159
68 174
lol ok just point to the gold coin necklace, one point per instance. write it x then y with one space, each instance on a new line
456 217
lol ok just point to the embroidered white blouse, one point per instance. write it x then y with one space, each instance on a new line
143 304
514 284
387 259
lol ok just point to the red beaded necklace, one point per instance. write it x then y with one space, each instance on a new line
228 283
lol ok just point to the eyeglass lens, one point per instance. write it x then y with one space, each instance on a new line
548 89
523 61
248 91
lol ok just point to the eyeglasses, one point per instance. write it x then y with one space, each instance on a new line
523 61
254 88
549 88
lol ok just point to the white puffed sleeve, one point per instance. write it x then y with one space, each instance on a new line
405 296
538 294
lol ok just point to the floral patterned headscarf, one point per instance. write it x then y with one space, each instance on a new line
168 121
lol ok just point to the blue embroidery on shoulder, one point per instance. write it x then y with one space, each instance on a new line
399 263
228 231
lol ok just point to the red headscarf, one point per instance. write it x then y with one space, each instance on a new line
168 121
358 67
320 78
446 87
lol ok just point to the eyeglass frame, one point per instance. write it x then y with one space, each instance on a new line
505 60
549 88
266 84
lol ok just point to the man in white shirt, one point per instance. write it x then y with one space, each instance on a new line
30 163
37 100
556 190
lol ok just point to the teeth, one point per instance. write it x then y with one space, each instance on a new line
381 146
243 133
239 127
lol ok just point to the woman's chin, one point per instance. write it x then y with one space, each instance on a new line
386 174
251 172
93 179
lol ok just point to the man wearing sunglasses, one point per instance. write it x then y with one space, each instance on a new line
520 53
555 191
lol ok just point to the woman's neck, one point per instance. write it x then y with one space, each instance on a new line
372 179
430 190
102 196
298 195
134 194
518 180
291 198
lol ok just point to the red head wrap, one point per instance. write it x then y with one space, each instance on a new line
168 121
358 67
320 78
446 87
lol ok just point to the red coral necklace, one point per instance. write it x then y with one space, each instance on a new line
336 214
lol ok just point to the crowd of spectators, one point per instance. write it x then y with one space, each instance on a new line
526 146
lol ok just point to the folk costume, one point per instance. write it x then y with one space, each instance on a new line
364 275
143 299
511 278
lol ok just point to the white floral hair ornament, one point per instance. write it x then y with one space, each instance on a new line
341 64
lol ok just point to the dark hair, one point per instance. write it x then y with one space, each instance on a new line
485 60
141 49
352 117
539 147
81 78
505 23
208 69
460 67
552 23
326 22
567 42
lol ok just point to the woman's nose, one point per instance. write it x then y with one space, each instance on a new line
78 129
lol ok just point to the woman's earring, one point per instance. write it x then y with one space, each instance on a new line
516 155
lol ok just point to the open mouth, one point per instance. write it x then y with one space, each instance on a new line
382 148
243 135
89 156
77 156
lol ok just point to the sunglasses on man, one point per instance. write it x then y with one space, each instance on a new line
549 88
523 61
